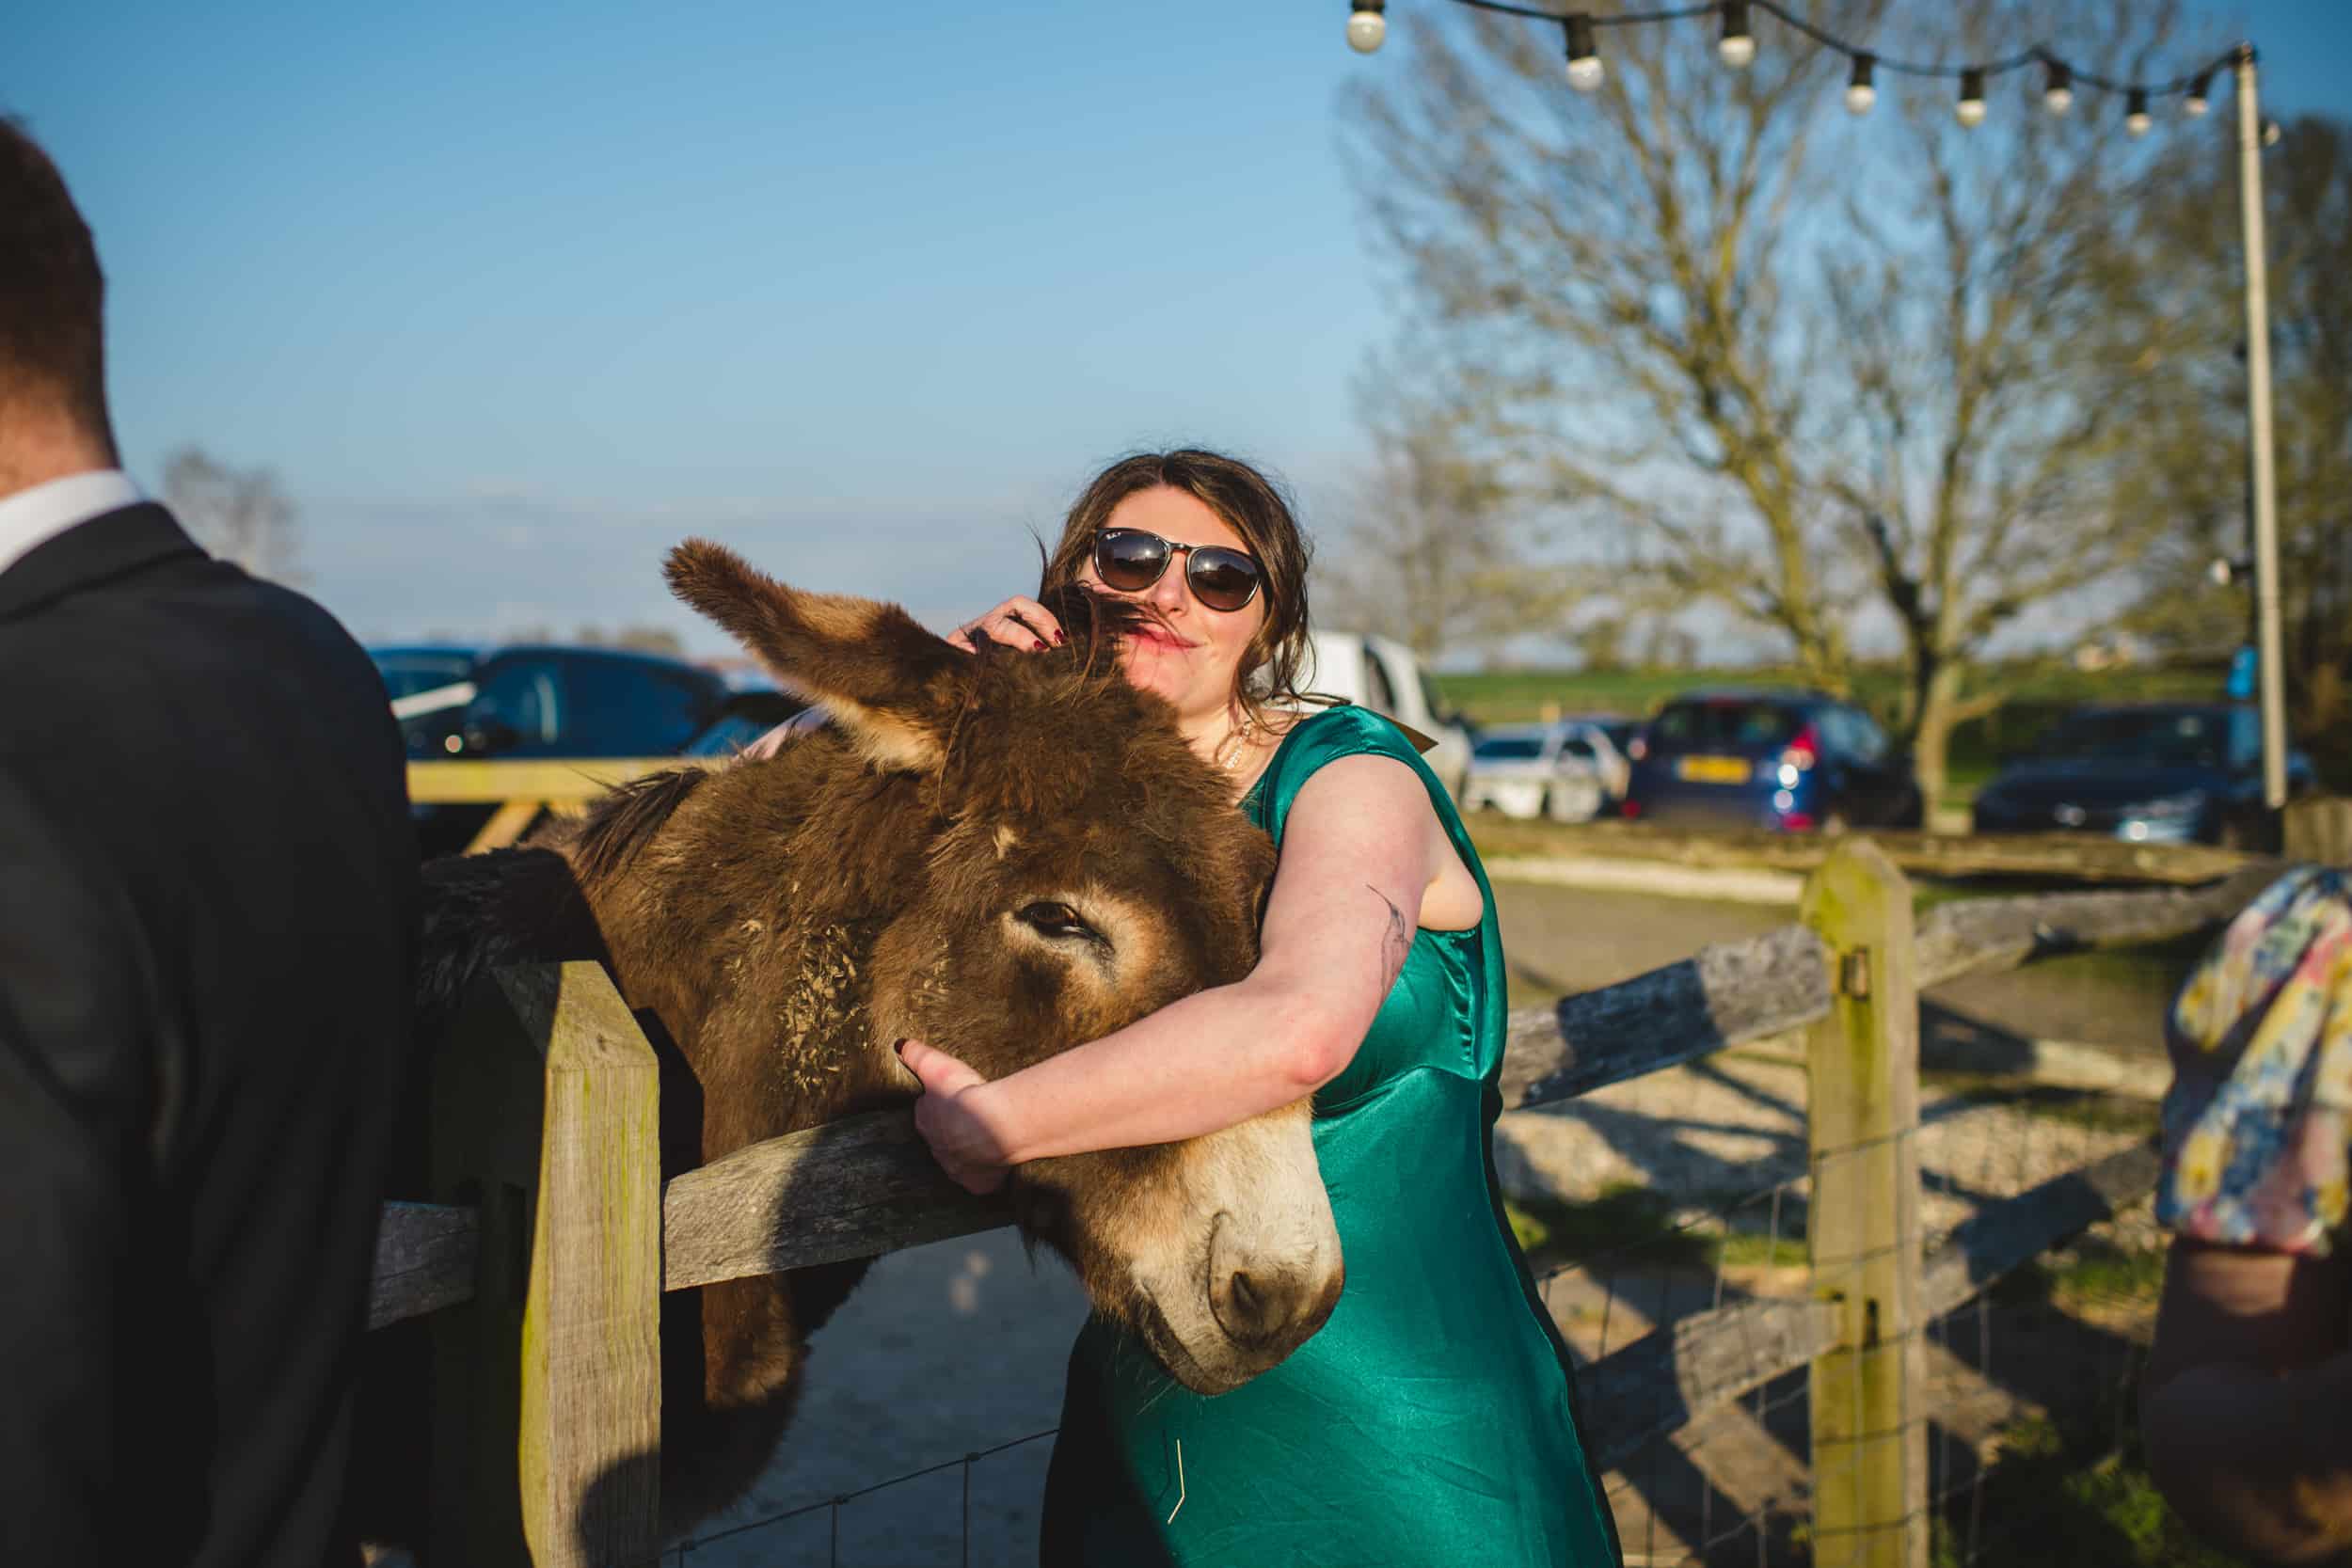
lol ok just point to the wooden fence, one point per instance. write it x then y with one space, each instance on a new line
546 1268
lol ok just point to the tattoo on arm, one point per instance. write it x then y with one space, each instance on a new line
1395 943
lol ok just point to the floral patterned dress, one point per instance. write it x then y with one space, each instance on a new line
2257 1122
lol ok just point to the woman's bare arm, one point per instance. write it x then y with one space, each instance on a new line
1360 849
2246 1405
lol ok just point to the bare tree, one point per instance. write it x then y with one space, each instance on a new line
2188 466
240 515
1438 552
1817 371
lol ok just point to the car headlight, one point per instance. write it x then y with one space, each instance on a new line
2165 807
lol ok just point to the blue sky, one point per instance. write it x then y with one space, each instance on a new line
513 297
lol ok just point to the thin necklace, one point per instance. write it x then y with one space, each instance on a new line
1235 745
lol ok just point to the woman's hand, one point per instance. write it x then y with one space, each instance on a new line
949 1117
1018 622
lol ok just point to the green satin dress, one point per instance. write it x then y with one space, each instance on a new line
1431 1421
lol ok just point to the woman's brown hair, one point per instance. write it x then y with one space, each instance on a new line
1251 506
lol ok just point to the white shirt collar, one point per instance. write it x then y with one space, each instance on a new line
33 517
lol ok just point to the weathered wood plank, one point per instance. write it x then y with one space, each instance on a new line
732 1217
866 1186
1724 994
424 1260
1980 934
2318 830
2082 856
1671 1376
2001 1236
848 1189
590 1449
1869 1447
479 781
1731 993
507 824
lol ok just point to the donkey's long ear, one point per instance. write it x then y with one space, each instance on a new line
893 687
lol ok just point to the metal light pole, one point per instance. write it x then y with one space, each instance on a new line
2269 646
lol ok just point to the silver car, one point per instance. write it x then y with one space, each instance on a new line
1525 771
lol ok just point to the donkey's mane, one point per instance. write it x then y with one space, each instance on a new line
624 819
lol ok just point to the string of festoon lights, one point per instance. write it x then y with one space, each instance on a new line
1367 26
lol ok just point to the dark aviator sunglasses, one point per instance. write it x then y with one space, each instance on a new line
1131 560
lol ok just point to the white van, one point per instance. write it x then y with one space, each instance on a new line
1382 674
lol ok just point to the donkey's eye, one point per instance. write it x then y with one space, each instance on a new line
1059 921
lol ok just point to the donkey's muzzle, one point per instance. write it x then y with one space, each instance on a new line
1268 1307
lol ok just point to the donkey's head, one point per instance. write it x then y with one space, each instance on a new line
1081 867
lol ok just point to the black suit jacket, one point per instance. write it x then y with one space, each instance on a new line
207 901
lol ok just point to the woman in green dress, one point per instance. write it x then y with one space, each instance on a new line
1431 1420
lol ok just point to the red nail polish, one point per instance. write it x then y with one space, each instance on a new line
1040 647
899 1048
1058 639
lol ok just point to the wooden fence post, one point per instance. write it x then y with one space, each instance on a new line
1870 1432
2318 829
547 1441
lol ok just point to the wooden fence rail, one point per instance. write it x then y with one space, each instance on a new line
560 1246
726 1219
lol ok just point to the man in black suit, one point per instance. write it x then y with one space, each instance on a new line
208 889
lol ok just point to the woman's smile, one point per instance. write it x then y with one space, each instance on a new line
1185 651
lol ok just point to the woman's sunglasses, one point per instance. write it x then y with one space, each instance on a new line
1131 560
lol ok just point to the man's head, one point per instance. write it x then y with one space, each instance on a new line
53 362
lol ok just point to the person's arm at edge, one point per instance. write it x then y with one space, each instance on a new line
2244 1402
1360 849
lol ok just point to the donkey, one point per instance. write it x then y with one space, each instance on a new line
1002 854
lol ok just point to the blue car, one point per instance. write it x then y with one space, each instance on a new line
2150 773
1787 761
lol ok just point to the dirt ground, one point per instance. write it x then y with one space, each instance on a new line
958 1347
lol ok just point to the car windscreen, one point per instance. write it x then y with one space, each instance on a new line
1509 748
1726 724
406 674
2162 737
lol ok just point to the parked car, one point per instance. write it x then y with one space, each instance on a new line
1611 737
1792 761
747 715
2156 773
562 701
557 702
1537 770
1383 675
426 681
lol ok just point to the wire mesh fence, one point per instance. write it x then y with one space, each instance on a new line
2021 1390
814 1533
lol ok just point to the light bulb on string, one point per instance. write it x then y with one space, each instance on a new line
2058 86
1738 47
2136 119
1971 107
1585 67
1860 91
1366 26
2200 97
